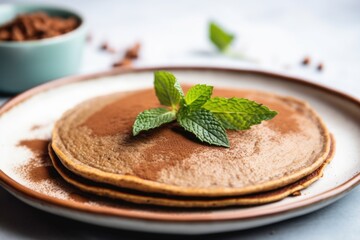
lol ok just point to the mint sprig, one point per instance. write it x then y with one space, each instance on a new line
207 118
219 37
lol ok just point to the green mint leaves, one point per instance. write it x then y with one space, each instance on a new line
167 89
198 95
205 126
152 118
238 113
207 118
219 37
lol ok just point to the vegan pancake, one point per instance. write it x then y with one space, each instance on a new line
111 191
94 140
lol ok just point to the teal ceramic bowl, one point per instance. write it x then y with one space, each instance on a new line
26 64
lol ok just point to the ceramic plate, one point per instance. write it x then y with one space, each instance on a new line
32 114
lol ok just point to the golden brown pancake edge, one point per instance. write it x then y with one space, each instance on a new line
162 200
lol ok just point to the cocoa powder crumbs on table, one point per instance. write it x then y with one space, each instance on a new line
306 60
106 47
36 25
123 63
130 55
133 52
320 67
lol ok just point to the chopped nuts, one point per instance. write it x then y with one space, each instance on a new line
37 25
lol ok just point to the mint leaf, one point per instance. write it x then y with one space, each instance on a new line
207 118
219 37
204 125
238 113
198 95
152 118
179 89
167 89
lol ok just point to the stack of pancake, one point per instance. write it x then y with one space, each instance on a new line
93 149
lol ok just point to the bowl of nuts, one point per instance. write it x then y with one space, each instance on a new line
38 43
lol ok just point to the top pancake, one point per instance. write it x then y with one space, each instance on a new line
95 140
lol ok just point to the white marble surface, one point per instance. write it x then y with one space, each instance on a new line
273 35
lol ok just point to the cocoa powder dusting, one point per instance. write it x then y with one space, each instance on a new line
39 168
38 174
37 146
165 154
284 122
118 117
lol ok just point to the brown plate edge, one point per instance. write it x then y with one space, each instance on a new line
16 188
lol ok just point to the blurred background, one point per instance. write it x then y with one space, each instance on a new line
275 35
272 35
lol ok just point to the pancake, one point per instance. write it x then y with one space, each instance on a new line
94 140
111 191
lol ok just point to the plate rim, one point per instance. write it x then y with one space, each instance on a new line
14 187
